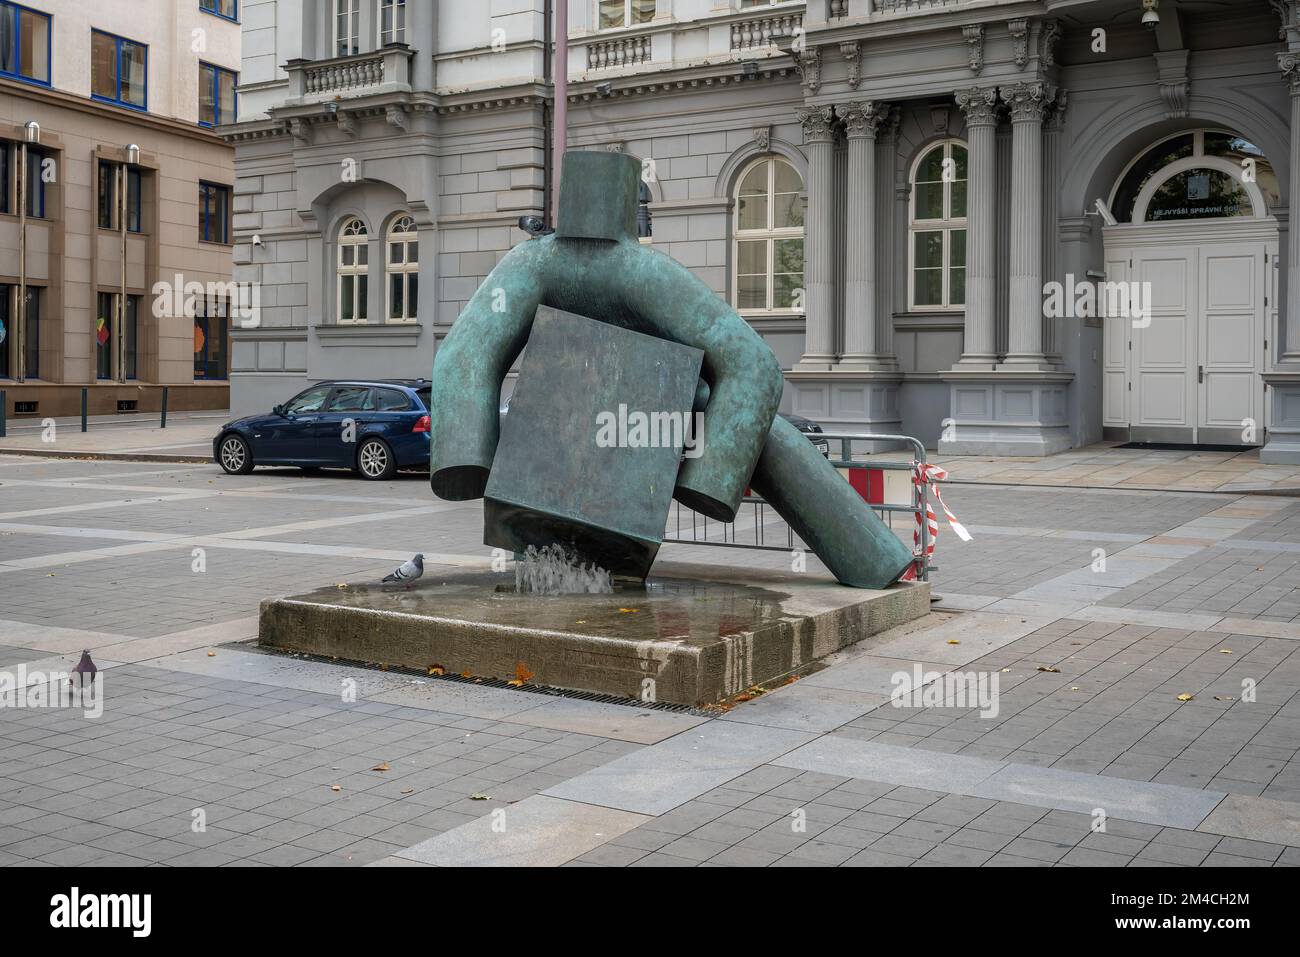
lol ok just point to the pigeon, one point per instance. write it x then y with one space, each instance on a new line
407 572
83 675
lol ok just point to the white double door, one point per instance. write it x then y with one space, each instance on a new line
1193 364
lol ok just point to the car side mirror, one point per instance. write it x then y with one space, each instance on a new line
278 410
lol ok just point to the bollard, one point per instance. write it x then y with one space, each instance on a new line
2 413
164 408
83 410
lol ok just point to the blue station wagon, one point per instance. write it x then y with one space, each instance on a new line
374 427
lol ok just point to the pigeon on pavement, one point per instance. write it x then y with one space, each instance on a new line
407 572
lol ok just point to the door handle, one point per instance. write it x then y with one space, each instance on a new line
1200 374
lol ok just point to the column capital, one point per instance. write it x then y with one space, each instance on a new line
980 105
1028 101
862 119
818 123
1289 64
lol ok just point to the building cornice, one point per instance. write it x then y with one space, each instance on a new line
163 124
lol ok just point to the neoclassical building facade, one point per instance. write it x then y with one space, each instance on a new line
1003 226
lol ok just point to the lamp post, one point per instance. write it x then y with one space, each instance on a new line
561 99
31 134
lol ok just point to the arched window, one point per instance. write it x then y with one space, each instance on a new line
353 262
402 265
1205 174
937 250
767 239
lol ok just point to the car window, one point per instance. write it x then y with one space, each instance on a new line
309 401
348 398
426 396
388 400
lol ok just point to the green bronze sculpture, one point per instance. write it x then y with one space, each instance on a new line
594 266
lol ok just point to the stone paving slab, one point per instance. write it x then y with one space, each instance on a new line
539 831
659 778
904 767
1256 818
806 707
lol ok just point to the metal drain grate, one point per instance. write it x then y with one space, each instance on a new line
502 683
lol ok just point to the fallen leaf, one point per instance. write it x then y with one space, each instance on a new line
1223 697
953 641
1005 670
479 797
744 697
1185 697
437 670
341 585
626 611
1051 669
408 790
381 766
335 787
1075 688
212 654
581 621
522 675
464 674
1225 651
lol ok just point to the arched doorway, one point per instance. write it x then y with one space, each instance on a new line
1195 245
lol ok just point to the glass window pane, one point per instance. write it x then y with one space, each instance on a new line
751 292
134 70
395 296
103 66
412 294
958 200
960 161
929 287
1199 194
8 29
34 46
107 180
643 11
362 311
611 14
752 211
395 253
787 256
785 287
363 254
347 254
347 296
957 247
207 105
786 178
928 250
787 211
227 90
957 287
930 169
929 201
751 257
413 252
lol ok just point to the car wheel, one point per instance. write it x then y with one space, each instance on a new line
234 455
375 460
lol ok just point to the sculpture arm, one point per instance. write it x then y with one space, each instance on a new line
468 368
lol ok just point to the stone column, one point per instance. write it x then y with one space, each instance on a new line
1289 63
861 121
1028 103
978 349
819 239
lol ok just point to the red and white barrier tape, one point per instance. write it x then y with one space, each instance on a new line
929 476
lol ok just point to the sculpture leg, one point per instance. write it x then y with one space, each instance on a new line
826 512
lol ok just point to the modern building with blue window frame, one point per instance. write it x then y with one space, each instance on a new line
115 191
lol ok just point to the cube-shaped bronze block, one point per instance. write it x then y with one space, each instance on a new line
590 448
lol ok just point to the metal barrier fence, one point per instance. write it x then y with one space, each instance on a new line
694 528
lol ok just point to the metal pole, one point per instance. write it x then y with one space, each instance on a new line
561 96
164 407
83 409
2 413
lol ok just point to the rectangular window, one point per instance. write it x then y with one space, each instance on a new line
347 27
210 339
119 70
222 8
32 333
106 201
105 319
214 213
5 323
39 165
6 176
624 13
217 98
392 22
24 43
